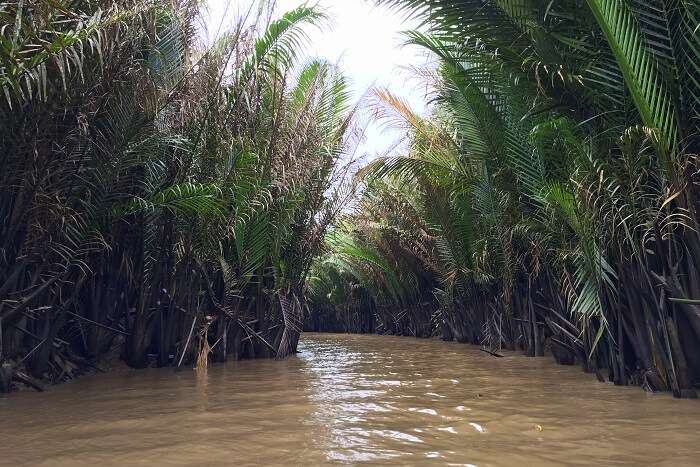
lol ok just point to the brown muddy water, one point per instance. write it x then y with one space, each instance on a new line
352 400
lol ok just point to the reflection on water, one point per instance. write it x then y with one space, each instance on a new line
352 399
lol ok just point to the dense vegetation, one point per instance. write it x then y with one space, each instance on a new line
178 203
159 198
550 199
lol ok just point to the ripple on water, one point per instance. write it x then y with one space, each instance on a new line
425 411
477 427
378 400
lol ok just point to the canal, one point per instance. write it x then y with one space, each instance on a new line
348 399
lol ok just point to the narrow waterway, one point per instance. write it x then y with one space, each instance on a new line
352 399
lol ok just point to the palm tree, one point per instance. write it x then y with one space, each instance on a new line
159 197
555 178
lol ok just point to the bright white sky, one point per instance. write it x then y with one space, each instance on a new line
365 41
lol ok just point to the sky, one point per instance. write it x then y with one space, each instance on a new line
365 41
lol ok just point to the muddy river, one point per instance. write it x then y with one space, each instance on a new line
352 400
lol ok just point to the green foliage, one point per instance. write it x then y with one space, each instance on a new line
155 187
554 180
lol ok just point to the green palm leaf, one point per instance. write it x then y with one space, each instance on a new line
640 69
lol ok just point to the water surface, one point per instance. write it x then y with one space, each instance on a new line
352 400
